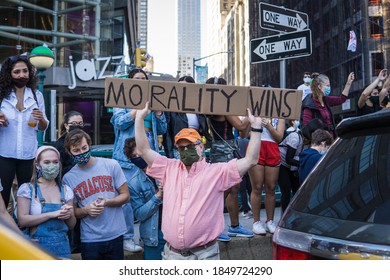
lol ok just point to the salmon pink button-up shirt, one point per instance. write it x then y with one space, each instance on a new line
193 201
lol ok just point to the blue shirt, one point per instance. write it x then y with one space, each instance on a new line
307 160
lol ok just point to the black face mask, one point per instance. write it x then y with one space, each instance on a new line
20 83
72 127
374 99
139 162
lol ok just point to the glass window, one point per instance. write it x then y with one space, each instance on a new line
377 63
376 27
351 182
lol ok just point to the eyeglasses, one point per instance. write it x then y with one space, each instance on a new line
76 123
187 147
18 57
306 76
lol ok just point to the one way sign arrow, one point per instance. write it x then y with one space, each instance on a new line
289 45
295 22
281 19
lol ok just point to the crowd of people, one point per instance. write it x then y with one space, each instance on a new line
71 201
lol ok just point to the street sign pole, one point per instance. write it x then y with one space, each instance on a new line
282 73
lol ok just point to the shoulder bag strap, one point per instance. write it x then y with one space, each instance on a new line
212 135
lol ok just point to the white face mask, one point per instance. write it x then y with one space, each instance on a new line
307 80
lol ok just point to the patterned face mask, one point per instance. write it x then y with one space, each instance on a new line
81 159
50 171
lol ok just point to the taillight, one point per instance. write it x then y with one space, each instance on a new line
291 245
284 253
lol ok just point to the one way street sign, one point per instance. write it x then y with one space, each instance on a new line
281 19
289 45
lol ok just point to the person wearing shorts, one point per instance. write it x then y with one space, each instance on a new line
266 173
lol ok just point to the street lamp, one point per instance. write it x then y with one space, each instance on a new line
42 58
197 59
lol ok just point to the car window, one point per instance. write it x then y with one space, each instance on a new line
352 182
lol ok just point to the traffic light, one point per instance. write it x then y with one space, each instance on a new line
140 57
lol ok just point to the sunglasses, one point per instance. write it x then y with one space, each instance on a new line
18 57
191 146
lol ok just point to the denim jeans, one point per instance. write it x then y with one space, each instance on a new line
155 253
105 250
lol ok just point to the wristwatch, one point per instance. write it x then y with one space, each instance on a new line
257 129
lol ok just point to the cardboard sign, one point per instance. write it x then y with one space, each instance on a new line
203 98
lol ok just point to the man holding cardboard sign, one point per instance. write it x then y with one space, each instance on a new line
192 216
210 99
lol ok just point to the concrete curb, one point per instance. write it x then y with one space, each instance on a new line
255 248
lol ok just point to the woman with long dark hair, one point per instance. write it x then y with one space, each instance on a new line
22 114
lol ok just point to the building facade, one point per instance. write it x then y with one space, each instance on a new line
143 24
233 24
90 41
189 35
330 23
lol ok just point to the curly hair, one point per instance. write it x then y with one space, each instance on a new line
6 84
129 147
318 81
321 135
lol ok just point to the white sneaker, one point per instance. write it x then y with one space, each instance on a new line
270 226
258 228
129 245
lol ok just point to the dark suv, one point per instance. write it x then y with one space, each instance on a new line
342 210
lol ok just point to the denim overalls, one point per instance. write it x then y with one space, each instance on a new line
51 234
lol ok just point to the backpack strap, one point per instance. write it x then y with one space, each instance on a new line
35 97
285 134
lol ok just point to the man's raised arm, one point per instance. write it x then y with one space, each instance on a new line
141 140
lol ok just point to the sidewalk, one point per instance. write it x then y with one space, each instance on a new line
255 248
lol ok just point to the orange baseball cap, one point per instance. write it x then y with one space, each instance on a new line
189 134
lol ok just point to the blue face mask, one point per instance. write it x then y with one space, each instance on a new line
323 152
297 123
139 162
327 91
